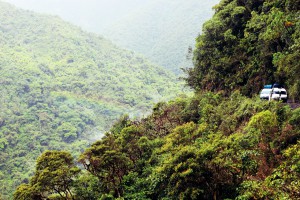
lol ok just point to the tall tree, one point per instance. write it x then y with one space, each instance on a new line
105 161
55 173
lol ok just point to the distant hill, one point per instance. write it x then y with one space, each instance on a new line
61 86
163 30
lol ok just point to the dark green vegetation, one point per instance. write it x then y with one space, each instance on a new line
204 147
218 144
54 172
61 86
163 30
248 44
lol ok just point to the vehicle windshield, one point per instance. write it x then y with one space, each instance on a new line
265 92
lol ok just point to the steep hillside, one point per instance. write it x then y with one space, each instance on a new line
248 44
163 30
61 86
205 147
214 145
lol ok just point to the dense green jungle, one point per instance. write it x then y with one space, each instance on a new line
62 88
222 142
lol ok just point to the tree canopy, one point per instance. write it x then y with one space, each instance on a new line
55 174
247 44
221 143
223 148
62 87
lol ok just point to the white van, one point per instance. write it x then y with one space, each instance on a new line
279 94
265 93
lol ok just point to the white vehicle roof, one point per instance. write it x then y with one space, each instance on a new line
265 91
279 89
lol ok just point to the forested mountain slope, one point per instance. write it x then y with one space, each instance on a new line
248 44
204 147
61 86
214 145
163 30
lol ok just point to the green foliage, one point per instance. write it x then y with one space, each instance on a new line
283 183
54 175
62 87
229 150
177 172
106 162
86 187
210 146
246 45
206 147
24 192
265 122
